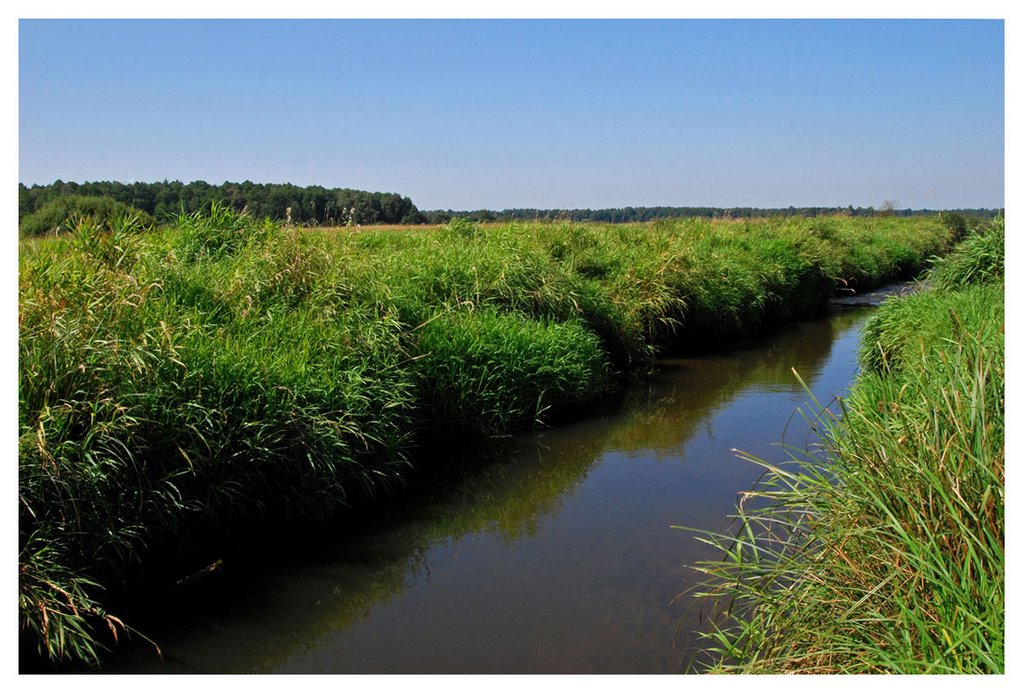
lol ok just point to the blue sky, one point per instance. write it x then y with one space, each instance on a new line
467 114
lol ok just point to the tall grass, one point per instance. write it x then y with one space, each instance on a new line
979 259
164 398
485 373
883 551
177 385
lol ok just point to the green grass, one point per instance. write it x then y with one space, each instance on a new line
158 402
177 385
487 373
883 551
979 259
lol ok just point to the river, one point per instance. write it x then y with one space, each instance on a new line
555 554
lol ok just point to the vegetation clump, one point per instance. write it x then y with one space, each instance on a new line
61 215
489 373
883 552
178 385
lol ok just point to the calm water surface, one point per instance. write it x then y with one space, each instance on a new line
556 556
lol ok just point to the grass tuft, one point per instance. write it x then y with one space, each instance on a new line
487 373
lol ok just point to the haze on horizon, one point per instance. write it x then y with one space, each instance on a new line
551 114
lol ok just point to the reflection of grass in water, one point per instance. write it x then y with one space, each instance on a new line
507 498
663 413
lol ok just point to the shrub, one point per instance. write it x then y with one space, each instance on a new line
61 215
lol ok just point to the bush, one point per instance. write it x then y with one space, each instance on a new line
61 215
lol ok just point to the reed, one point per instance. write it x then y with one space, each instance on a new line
487 373
979 259
165 398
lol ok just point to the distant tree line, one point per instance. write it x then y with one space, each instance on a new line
306 205
646 214
319 206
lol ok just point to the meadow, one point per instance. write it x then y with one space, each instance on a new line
178 385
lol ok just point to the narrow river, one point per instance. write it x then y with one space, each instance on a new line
557 555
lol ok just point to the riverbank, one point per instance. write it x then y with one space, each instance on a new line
177 385
883 552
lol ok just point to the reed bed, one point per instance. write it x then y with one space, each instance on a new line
178 385
882 551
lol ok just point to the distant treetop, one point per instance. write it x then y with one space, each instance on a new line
309 205
646 214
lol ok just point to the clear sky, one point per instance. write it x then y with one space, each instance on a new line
468 114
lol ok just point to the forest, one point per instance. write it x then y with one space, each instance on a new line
309 205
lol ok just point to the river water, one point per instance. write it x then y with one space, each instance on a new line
556 554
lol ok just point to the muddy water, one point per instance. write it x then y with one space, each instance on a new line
557 555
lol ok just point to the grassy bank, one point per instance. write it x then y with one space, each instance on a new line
883 552
178 385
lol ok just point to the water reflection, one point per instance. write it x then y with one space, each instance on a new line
557 556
